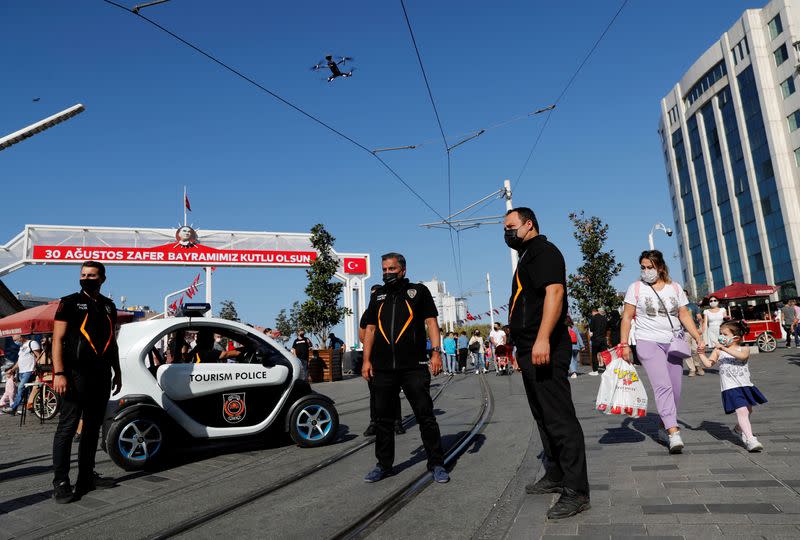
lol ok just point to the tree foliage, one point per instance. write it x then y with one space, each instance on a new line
590 287
227 310
322 311
287 323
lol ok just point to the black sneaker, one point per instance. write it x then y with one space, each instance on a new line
398 428
569 504
544 485
371 430
62 492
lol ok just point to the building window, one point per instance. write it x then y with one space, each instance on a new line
775 27
794 120
781 55
797 156
787 87
707 81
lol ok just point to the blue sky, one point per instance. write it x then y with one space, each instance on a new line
159 116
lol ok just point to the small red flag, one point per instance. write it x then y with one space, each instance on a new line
186 202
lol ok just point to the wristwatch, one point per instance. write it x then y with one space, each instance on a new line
436 349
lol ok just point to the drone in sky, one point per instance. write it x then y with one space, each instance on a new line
332 63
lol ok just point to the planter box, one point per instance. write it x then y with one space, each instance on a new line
325 365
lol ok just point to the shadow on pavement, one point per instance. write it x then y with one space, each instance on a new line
718 430
10 464
632 430
418 454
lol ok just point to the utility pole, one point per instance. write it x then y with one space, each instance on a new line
489 290
510 206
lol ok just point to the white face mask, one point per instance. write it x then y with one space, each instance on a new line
650 275
713 303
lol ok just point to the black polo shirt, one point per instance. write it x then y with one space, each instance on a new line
89 342
540 264
301 347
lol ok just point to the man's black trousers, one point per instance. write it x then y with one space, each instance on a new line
550 400
462 358
416 384
87 396
398 415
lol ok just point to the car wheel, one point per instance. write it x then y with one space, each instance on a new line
46 405
136 442
314 422
766 342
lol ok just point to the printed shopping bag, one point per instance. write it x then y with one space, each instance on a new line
621 391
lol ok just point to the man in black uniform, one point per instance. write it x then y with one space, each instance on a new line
598 328
536 317
399 429
394 358
300 348
84 353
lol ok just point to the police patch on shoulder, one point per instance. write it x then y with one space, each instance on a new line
381 297
411 293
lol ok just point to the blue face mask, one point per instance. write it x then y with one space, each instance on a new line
725 341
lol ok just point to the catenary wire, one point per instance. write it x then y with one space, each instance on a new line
566 88
282 100
444 141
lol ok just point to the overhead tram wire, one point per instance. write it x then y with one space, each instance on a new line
281 99
566 88
456 261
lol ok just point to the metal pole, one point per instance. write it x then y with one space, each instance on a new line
650 239
489 290
208 291
510 206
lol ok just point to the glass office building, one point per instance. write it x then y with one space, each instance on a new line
730 134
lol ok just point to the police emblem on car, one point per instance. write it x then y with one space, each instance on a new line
412 293
233 407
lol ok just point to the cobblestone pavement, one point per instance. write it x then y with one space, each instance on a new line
714 489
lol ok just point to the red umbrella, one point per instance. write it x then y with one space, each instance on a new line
39 320
742 290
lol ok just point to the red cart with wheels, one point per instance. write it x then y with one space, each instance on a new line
763 332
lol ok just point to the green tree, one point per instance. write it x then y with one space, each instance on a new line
322 311
590 287
227 310
287 323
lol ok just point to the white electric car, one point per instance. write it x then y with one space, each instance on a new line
173 393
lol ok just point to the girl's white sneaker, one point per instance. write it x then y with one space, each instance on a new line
738 431
675 443
754 446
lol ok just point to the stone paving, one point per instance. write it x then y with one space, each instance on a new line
714 489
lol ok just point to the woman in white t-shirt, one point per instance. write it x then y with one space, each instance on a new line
713 317
659 306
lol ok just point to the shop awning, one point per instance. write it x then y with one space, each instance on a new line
39 320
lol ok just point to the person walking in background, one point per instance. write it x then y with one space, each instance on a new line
496 337
301 348
659 305
693 362
477 351
796 323
598 337
463 351
788 321
713 318
577 346
537 314
739 394
27 356
510 348
450 364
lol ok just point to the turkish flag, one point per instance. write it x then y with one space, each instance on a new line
355 265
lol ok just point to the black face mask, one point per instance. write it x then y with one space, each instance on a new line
391 278
513 240
91 286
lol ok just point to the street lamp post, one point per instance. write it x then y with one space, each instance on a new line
658 227
41 125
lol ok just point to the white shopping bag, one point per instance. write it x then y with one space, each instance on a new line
621 391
